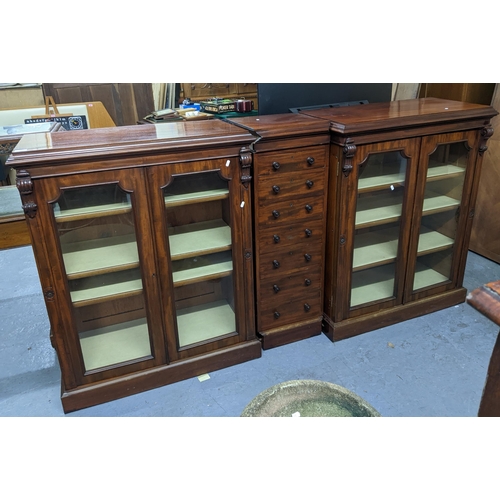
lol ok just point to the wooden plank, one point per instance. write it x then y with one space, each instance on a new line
196 197
89 258
92 212
200 239
88 296
380 181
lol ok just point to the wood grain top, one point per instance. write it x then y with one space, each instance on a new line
127 140
399 114
282 125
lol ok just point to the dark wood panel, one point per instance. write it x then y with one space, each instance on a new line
479 93
126 103
14 234
485 236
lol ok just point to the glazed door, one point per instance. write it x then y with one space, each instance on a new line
203 213
439 238
104 273
375 226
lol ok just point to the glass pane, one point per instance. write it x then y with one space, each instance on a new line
198 217
442 199
97 235
381 187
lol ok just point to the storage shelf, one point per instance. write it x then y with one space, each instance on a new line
381 182
105 287
375 248
90 258
432 241
188 271
372 211
200 238
380 247
372 284
444 171
438 203
201 323
92 212
196 197
115 344
424 276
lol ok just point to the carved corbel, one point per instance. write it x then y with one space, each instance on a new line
245 164
486 133
25 186
349 152
7 147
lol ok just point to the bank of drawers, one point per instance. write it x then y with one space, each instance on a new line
290 214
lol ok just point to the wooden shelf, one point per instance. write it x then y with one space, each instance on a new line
380 247
201 268
90 258
425 276
91 212
432 241
375 210
372 284
444 171
195 197
380 182
201 323
438 203
375 248
200 238
111 286
115 344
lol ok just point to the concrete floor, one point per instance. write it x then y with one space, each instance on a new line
434 365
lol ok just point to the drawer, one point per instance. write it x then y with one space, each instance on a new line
289 261
288 211
290 185
272 239
277 314
280 163
287 288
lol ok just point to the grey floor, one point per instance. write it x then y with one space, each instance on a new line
434 365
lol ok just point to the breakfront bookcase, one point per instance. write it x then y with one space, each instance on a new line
403 183
168 251
142 238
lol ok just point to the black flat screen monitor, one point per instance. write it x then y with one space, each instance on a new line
277 98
